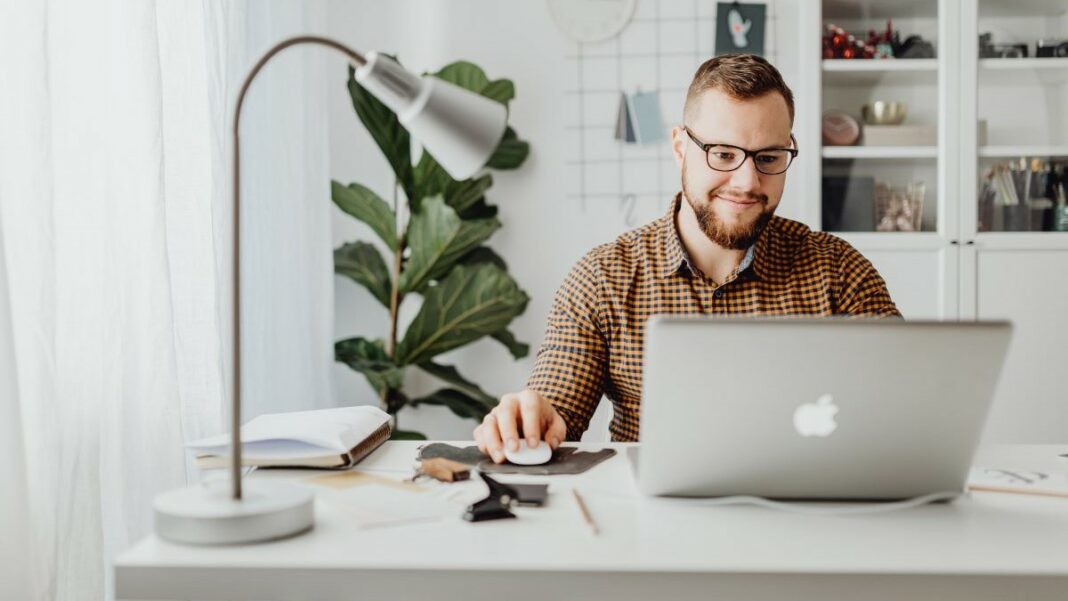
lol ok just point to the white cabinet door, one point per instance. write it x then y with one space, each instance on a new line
1030 288
921 271
921 282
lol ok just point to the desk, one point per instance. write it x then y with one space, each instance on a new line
986 546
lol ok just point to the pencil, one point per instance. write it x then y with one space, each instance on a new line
586 517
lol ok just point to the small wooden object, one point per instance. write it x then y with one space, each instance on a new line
445 470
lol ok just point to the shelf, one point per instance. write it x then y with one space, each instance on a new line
879 152
1022 151
886 65
867 72
879 9
1030 8
869 241
1023 63
1049 71
1021 240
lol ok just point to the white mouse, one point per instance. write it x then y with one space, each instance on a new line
528 456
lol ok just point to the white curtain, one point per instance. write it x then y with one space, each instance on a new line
114 215
14 503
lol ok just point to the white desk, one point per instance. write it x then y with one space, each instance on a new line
988 546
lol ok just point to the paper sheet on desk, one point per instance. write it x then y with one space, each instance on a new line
374 501
1027 482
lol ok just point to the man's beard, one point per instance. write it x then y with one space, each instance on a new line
736 237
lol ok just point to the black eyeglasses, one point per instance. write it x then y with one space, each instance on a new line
724 157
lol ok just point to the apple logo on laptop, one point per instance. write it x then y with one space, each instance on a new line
816 419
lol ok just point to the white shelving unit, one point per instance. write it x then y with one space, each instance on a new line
952 270
1016 71
879 66
1022 151
846 72
880 152
1023 64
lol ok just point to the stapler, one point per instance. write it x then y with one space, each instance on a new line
497 506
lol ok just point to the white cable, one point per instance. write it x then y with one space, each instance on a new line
810 510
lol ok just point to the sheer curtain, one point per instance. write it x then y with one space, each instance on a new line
114 215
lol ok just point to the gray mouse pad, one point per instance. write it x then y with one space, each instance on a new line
566 460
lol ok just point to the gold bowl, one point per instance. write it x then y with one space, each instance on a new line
883 113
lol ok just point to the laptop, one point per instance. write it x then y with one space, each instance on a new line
814 408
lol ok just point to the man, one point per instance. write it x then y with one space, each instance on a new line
720 249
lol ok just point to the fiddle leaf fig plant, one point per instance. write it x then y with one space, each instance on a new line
439 255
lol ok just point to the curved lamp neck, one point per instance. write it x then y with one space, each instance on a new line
235 397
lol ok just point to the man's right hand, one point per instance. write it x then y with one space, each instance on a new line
521 417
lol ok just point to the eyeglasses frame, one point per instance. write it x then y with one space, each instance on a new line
748 153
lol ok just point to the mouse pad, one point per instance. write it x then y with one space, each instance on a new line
566 460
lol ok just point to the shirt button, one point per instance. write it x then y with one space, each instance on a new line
718 293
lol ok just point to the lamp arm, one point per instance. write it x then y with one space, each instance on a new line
235 396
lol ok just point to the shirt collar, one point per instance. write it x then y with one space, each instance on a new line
676 257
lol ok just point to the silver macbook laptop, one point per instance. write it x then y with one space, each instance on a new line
827 408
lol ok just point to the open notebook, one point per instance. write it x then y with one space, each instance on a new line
325 438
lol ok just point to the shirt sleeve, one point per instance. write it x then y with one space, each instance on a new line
862 290
570 366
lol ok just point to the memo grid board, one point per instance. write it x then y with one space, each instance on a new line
659 50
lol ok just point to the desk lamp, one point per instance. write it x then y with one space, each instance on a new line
461 130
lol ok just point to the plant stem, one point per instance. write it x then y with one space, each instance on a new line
394 296
394 300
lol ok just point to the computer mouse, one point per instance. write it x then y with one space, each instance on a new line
525 455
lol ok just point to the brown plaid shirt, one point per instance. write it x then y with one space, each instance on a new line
594 336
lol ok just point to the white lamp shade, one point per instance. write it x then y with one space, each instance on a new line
458 127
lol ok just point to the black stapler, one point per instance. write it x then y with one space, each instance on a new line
496 506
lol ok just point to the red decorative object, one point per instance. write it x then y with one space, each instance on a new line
838 43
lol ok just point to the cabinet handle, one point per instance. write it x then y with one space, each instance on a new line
954 242
970 242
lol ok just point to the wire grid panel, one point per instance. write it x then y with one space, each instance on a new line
659 50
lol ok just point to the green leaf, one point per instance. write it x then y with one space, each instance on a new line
438 238
457 401
361 262
501 90
480 210
431 179
484 254
464 74
471 77
386 130
516 348
471 302
407 435
369 358
363 204
450 374
510 153
461 195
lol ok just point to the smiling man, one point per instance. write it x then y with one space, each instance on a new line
720 249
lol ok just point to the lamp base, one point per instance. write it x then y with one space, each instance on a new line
205 514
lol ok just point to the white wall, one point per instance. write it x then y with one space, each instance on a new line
544 231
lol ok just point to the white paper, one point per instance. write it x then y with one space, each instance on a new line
1029 481
299 434
378 505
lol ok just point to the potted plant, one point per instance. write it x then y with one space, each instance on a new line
439 256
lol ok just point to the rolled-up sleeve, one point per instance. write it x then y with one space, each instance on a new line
570 367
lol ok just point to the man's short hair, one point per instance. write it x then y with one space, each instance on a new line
740 76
